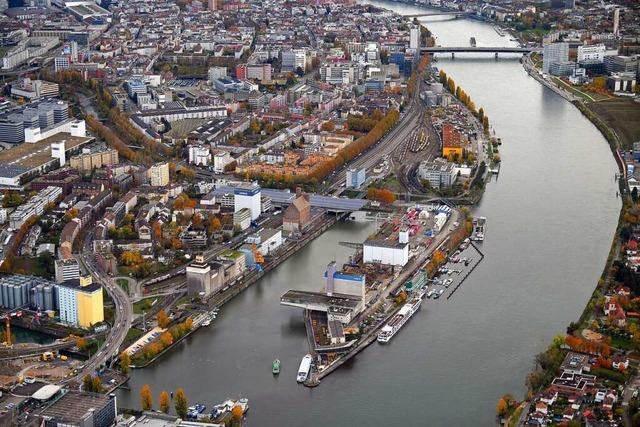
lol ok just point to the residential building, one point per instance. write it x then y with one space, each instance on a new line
34 207
34 89
66 269
199 155
242 219
80 302
214 5
89 160
216 73
159 174
414 38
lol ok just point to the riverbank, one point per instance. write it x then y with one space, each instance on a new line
251 278
589 335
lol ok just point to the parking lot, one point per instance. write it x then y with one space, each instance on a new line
452 274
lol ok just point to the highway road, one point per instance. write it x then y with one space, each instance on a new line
123 314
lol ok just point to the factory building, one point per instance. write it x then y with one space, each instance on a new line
19 291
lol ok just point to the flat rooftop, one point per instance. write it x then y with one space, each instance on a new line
34 155
381 243
320 298
74 405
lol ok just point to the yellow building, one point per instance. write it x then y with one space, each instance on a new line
159 174
80 302
86 162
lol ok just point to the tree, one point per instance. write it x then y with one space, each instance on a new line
125 362
164 402
214 224
130 258
166 339
328 126
96 385
163 319
146 398
81 343
180 403
87 383
236 414
501 407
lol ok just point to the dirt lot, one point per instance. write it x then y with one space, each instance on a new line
621 114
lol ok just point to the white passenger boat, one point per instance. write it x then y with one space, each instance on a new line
398 320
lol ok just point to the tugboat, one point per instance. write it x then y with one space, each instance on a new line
275 367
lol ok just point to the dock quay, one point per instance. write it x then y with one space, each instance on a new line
475 264
254 276
381 301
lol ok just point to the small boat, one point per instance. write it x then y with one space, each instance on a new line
275 367
305 367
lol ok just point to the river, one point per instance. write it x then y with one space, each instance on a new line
551 217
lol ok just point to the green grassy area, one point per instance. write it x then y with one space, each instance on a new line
124 284
581 92
31 266
515 417
132 335
622 115
622 343
143 305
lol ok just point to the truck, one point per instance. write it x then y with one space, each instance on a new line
47 356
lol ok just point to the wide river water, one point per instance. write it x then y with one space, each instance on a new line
551 216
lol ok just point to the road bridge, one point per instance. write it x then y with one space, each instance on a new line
480 49
441 13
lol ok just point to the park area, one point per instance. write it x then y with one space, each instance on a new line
622 115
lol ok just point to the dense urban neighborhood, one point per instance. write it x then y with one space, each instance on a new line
160 158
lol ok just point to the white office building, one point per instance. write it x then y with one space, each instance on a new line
414 38
67 269
591 53
248 196
554 53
